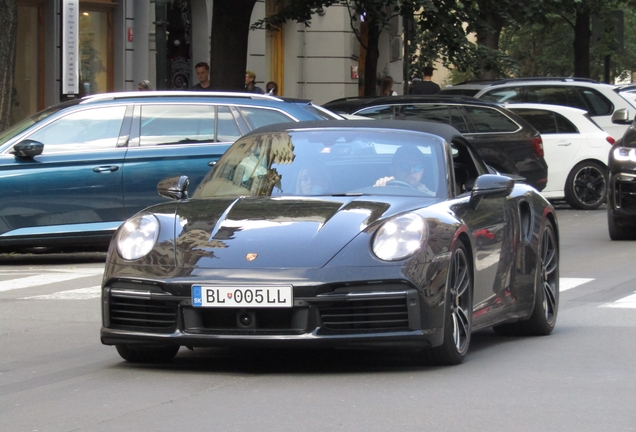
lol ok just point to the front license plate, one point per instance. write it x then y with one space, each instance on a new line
242 296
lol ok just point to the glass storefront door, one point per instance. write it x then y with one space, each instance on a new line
95 50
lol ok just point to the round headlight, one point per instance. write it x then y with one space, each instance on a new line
137 236
400 237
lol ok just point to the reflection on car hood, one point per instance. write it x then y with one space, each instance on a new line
264 232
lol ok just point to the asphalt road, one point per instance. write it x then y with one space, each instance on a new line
56 376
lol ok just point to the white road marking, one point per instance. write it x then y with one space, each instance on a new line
47 278
628 302
76 294
569 283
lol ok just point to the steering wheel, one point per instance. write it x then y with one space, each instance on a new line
400 184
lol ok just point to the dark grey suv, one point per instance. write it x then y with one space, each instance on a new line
505 141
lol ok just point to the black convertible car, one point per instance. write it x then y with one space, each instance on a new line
335 233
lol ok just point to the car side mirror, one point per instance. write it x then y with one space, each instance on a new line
174 187
490 186
621 116
28 148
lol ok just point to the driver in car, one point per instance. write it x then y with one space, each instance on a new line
407 169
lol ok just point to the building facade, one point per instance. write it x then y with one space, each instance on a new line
71 48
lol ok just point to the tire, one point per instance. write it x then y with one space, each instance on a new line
546 286
618 231
586 186
458 313
147 355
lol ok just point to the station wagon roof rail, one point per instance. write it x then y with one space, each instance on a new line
166 93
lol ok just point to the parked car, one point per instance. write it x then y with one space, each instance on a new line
628 91
576 150
347 233
621 199
71 174
604 103
505 141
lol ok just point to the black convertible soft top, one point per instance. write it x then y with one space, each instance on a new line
449 133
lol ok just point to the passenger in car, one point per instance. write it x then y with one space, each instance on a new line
313 180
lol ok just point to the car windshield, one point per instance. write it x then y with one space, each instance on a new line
330 162
23 125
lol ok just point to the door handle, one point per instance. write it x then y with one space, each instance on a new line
106 169
564 143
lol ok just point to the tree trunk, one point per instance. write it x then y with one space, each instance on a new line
8 35
228 51
489 39
581 45
371 59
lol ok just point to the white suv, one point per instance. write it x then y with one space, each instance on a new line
604 104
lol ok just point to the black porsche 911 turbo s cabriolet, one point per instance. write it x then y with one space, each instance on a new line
336 234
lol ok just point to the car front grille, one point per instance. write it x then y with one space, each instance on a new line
365 315
142 314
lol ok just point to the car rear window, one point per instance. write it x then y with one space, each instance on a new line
383 112
598 104
584 98
440 113
257 117
489 120
546 122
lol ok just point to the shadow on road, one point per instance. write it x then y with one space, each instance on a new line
307 361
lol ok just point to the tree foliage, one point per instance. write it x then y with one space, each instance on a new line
546 49
446 29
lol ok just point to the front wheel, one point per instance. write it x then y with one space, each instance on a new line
586 186
458 313
147 355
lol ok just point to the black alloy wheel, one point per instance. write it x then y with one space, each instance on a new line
546 298
459 311
147 355
586 186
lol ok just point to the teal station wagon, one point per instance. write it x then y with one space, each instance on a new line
71 174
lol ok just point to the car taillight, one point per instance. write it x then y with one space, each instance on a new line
610 140
538 146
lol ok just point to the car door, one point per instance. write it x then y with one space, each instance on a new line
491 227
74 185
170 139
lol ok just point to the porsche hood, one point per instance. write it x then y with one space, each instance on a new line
264 232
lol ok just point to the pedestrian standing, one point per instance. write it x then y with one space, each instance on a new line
250 86
203 74
272 88
386 87
426 85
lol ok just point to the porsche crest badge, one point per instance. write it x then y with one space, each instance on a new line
251 256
